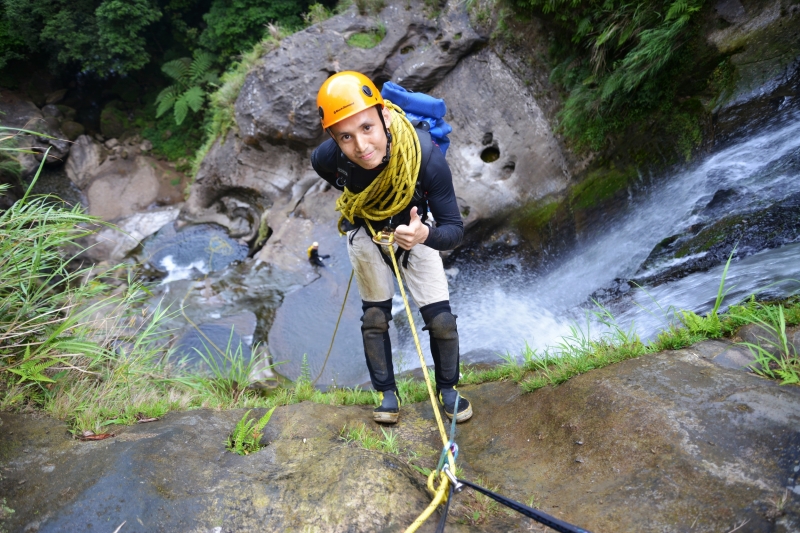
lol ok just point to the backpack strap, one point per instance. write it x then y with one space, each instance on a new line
426 145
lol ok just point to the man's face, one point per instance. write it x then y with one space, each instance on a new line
361 137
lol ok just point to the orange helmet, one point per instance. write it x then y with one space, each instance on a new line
343 95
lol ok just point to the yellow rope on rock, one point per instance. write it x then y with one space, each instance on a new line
392 190
440 494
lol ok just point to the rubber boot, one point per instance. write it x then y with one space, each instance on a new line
447 398
389 410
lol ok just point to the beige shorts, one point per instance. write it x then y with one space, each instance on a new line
424 278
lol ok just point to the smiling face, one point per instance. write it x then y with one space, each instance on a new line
361 137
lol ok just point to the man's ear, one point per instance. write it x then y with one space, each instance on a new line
387 117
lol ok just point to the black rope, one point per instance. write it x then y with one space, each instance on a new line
542 518
440 527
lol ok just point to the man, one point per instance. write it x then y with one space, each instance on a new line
314 256
390 174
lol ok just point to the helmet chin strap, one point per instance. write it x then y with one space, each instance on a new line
388 153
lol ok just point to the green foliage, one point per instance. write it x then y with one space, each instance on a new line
189 91
11 45
783 365
317 13
247 434
369 7
237 25
222 116
367 39
621 63
102 36
369 439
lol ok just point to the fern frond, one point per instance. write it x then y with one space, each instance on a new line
181 110
194 98
200 66
165 100
178 69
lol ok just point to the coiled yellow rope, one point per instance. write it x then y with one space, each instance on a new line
392 190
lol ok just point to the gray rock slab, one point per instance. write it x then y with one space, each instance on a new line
277 102
305 322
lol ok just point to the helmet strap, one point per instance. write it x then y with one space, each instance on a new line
388 137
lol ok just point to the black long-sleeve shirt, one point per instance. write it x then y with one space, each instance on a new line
437 186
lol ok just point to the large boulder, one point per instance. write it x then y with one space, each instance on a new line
503 152
114 243
278 100
118 181
17 112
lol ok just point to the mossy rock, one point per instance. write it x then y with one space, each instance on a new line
601 185
113 121
72 130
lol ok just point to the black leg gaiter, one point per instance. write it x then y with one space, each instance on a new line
441 326
377 345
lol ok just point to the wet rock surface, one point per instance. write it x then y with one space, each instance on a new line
666 442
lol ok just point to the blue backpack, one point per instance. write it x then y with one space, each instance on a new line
423 110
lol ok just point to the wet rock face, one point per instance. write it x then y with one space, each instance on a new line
278 100
705 246
112 244
648 445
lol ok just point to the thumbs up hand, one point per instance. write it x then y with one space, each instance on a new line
414 233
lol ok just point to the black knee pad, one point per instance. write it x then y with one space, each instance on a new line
443 326
375 318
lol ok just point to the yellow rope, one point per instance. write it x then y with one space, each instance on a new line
392 190
441 492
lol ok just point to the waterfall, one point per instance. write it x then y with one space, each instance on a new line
502 308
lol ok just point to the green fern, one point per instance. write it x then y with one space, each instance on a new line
32 368
248 432
192 78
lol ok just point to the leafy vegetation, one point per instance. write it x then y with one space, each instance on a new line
116 37
107 36
246 436
192 77
237 25
367 39
626 64
783 365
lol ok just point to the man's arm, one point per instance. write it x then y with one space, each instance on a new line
323 159
437 184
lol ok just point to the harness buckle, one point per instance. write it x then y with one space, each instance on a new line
385 237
